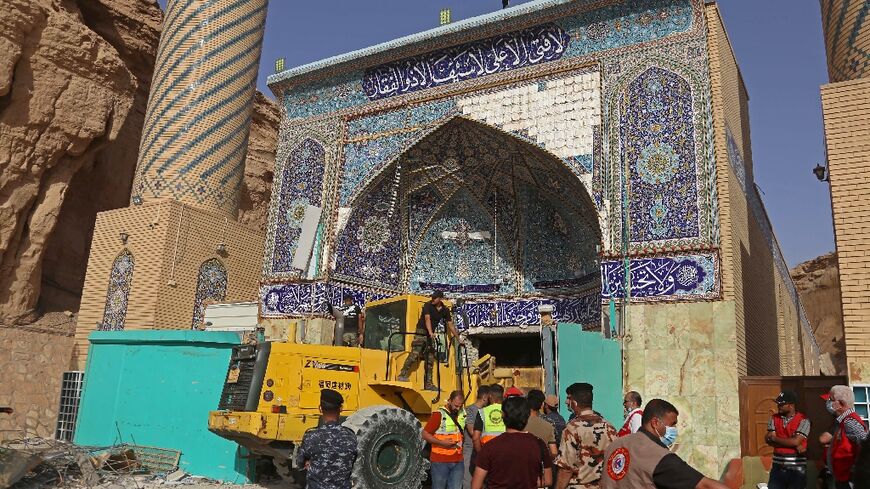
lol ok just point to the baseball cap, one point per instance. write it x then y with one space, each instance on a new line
512 391
786 397
826 396
552 400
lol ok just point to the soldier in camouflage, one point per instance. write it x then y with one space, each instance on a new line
581 454
329 451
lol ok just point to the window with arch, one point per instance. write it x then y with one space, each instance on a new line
211 286
118 292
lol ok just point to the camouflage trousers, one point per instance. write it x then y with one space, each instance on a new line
421 347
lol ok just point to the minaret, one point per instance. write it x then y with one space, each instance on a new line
195 135
157 263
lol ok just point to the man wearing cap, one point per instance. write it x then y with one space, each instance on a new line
537 425
329 451
551 414
433 313
581 454
787 433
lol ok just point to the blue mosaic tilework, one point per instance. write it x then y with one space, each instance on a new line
211 286
301 185
616 26
658 145
120 279
693 276
306 299
448 255
324 96
369 248
557 245
581 309
377 140
506 52
627 23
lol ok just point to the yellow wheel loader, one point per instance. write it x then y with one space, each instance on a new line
272 393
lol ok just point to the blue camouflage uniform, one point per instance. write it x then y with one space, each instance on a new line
330 451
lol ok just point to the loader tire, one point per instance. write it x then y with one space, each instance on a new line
389 449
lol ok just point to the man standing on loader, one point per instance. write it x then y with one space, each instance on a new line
433 313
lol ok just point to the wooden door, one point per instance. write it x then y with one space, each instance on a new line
757 405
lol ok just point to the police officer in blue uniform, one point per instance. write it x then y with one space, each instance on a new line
329 450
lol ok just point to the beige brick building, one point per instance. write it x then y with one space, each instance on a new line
846 112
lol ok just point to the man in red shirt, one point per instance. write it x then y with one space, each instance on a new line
515 459
444 433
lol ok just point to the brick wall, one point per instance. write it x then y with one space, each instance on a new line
769 334
169 242
846 25
846 112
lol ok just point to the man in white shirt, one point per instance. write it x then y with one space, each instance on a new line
633 413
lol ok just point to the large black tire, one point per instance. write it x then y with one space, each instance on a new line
389 449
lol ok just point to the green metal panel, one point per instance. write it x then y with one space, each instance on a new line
586 356
156 388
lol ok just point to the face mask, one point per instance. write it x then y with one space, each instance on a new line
670 436
829 405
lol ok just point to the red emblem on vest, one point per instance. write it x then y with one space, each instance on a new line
617 464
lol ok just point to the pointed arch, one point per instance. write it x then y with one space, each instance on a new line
118 292
211 285
301 185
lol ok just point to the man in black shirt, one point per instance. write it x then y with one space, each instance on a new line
433 313
644 459
354 322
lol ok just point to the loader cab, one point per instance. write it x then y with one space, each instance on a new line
390 325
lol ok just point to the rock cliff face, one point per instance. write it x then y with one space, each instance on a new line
74 81
818 283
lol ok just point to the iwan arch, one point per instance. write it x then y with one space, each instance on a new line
563 153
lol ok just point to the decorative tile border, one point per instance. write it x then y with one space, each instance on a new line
678 277
581 309
306 299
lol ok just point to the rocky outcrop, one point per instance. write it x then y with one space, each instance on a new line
260 163
818 283
74 81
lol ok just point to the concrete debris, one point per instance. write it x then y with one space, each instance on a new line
176 476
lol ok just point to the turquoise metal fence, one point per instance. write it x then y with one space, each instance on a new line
155 388
586 356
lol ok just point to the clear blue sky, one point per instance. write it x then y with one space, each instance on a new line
778 44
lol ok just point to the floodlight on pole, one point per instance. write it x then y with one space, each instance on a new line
279 65
444 17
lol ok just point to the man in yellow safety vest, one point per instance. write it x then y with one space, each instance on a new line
489 423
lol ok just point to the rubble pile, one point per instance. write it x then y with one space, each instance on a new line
30 463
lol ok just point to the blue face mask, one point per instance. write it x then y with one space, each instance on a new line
829 405
670 436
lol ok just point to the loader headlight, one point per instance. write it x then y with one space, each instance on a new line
268 396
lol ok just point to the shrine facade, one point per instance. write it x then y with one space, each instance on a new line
580 154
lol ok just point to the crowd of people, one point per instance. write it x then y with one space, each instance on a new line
508 439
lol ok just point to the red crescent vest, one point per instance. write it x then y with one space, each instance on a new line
626 428
788 455
844 452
